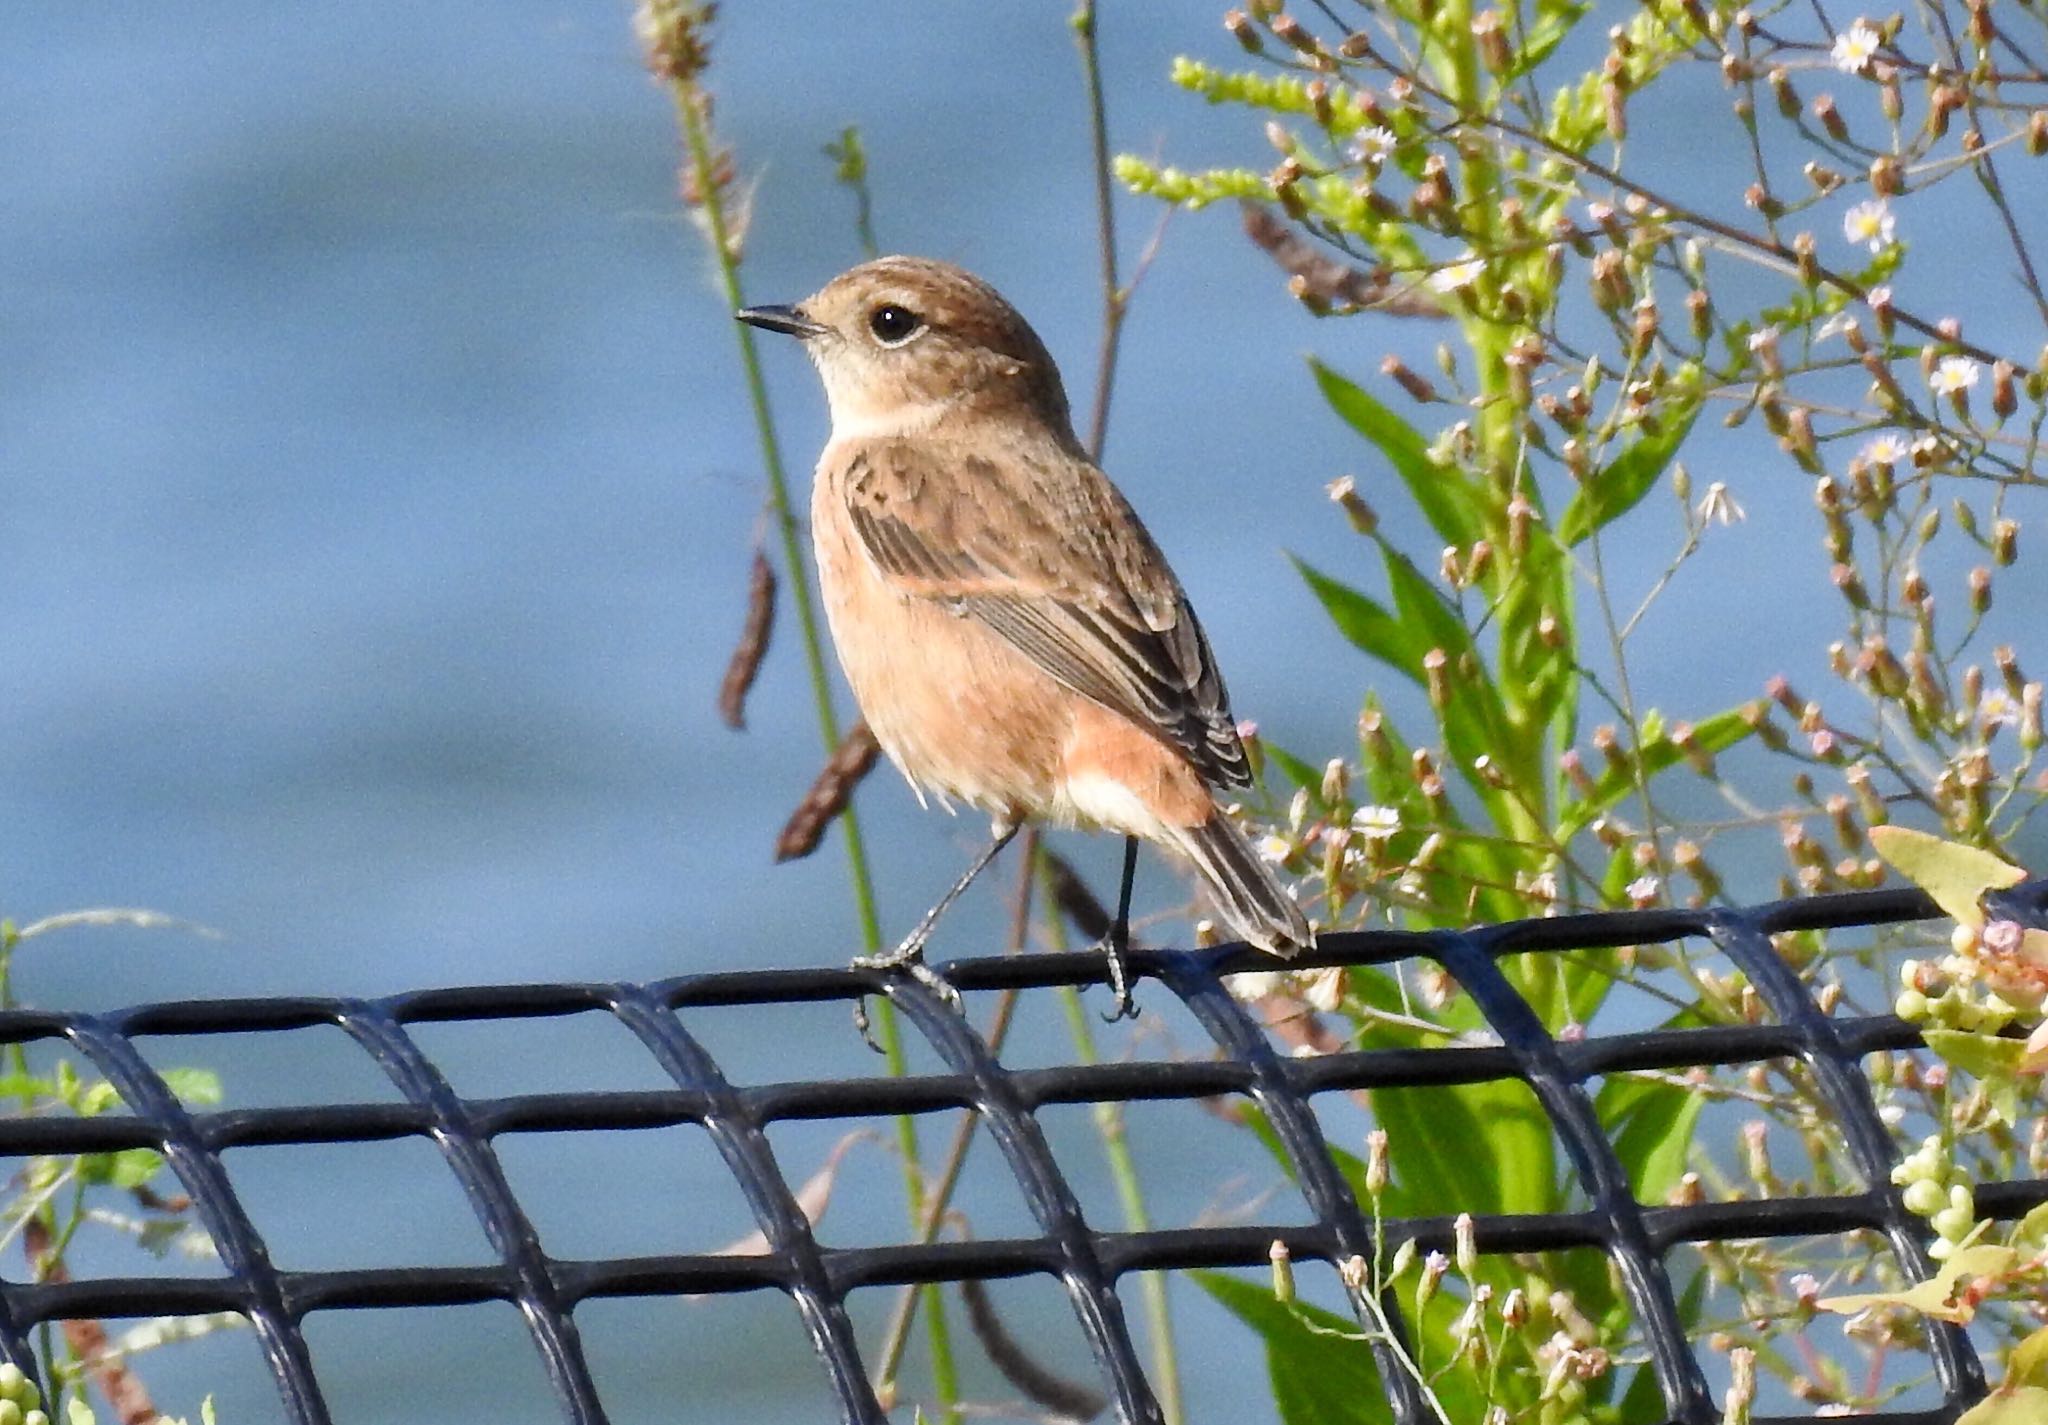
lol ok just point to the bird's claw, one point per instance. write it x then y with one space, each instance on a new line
1115 947
907 958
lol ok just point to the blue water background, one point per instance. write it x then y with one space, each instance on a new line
378 491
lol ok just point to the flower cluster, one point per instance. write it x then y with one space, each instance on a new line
1932 1187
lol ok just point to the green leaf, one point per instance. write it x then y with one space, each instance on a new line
1651 1126
2030 1234
1477 1148
1994 1061
96 1098
129 1168
197 1088
1717 734
1293 768
1474 722
1393 784
2026 1406
1440 493
1984 1055
1612 492
1957 876
1645 1397
1365 623
1321 1369
1940 1296
1538 679
2028 1364
1553 23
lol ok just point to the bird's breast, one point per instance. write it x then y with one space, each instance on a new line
960 712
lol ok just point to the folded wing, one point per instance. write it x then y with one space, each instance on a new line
1049 556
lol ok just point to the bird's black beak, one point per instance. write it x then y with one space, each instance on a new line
790 320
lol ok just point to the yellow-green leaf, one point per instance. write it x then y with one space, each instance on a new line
1984 1055
1956 876
2029 1362
2035 1059
1994 1062
2026 1406
1935 1296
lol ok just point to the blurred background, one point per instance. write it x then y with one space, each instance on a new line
379 492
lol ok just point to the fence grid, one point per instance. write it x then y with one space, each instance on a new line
1086 1262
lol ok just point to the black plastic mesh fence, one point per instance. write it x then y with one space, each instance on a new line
1087 1262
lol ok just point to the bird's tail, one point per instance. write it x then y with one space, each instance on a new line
1245 890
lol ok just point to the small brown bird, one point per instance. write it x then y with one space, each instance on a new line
1013 636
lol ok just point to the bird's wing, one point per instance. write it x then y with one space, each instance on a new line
1048 555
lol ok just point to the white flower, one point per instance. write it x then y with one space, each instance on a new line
1462 273
1643 890
1855 47
1763 339
1275 848
1718 505
1323 989
1373 145
1953 374
1254 985
1869 223
1999 710
1376 823
1887 449
1834 326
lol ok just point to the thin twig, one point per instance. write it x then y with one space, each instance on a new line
1706 222
125 1393
1114 298
1115 303
680 66
941 1195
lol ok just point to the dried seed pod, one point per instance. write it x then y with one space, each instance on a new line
1037 1382
1416 385
828 796
1336 284
755 634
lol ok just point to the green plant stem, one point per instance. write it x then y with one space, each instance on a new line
948 1178
1109 1125
1109 1121
690 114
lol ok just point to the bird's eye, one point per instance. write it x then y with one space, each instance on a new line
893 325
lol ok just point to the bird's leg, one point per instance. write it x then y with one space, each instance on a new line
908 956
1118 941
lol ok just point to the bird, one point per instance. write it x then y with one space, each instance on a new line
1011 631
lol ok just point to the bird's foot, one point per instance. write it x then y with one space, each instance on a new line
907 958
1116 946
